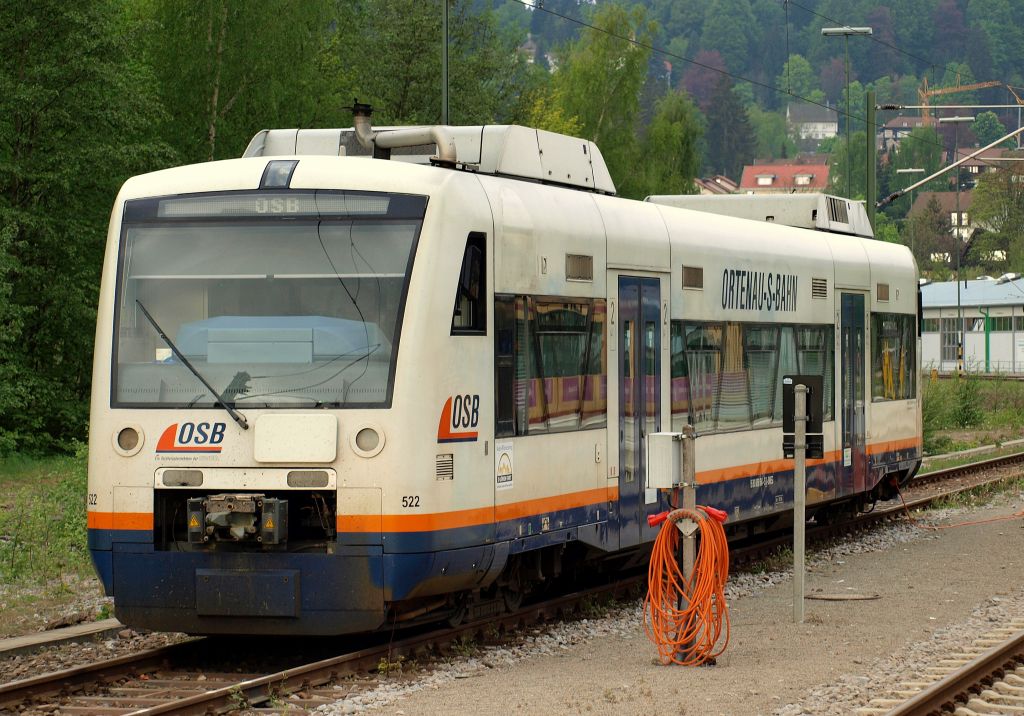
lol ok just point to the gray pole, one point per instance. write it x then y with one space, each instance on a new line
849 159
444 63
956 242
689 497
799 498
687 526
870 191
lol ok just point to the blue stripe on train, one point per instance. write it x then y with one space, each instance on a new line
409 564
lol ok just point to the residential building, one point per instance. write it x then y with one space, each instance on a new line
717 184
810 123
897 128
778 177
961 224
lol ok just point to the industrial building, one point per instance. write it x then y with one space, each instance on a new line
991 325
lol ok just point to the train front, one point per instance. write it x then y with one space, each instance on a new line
247 338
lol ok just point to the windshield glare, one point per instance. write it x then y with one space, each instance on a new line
273 311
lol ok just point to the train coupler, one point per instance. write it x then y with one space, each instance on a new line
237 518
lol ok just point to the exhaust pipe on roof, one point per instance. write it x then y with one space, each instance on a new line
438 135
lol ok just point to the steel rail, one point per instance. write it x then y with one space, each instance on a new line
69 680
941 697
262 689
968 468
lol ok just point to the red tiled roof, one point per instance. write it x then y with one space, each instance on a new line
784 177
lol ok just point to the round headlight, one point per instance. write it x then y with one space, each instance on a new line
367 439
128 439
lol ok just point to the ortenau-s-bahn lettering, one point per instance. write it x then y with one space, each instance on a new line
758 290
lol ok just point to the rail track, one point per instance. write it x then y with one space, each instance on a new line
182 678
168 681
985 678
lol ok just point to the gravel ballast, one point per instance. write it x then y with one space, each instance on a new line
936 590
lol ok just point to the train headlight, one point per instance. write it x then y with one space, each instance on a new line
368 441
128 440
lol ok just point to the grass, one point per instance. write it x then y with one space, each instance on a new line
780 560
935 465
980 495
42 519
961 413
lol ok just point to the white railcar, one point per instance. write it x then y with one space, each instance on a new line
332 392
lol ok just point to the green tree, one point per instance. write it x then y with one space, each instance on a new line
920 149
729 28
670 151
599 83
987 128
77 117
730 137
931 239
886 229
772 137
228 68
998 205
999 21
799 80
850 184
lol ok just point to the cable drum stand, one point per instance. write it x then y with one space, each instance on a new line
685 609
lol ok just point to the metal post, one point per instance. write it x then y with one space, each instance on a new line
956 242
799 498
444 63
988 329
870 190
689 498
687 526
849 159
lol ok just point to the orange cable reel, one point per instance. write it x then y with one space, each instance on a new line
686 616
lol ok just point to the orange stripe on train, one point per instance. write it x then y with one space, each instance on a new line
120 520
473 517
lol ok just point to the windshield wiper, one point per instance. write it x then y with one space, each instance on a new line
235 415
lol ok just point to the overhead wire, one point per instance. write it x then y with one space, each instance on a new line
539 6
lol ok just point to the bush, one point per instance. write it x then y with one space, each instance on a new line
43 520
967 411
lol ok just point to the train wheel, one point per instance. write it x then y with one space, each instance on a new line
513 598
461 610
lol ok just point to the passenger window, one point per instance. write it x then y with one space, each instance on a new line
470 314
894 357
550 365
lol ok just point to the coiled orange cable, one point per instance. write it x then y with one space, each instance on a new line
687 634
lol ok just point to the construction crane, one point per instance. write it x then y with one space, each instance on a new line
924 94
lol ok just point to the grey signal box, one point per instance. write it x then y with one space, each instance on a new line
815 402
815 399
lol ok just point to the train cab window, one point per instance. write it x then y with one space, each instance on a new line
470 314
894 358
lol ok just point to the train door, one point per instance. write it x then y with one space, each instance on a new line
853 461
639 372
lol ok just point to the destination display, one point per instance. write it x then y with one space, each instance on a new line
758 290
